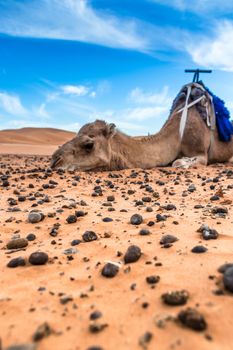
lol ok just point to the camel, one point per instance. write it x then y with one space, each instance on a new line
185 140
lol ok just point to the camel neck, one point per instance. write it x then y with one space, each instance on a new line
149 151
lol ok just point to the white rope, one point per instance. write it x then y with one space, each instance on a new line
184 110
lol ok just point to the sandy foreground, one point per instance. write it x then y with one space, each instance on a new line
64 295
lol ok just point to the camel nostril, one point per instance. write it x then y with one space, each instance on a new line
55 162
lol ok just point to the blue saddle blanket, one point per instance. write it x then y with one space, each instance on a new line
223 122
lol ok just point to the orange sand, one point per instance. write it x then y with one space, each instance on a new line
24 307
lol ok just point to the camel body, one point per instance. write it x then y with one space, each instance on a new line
100 146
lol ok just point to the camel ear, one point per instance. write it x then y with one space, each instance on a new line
110 130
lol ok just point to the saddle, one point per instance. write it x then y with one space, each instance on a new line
210 107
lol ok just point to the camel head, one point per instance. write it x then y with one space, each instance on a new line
88 150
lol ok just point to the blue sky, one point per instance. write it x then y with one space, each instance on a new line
67 62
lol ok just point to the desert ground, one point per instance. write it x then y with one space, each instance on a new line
113 260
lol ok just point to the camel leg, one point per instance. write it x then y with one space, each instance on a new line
187 162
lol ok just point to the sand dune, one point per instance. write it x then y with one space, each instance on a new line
35 136
40 141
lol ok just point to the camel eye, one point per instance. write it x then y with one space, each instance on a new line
88 146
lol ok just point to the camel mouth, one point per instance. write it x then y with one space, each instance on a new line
55 162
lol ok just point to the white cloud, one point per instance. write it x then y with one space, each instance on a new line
149 104
144 106
69 20
42 112
93 94
78 90
144 113
139 96
198 6
12 104
214 52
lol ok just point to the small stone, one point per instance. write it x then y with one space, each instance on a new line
228 279
80 213
167 239
71 219
144 232
66 299
89 236
110 270
69 251
146 199
175 298
95 315
75 242
34 217
133 254
152 279
42 331
199 249
97 327
145 339
214 198
207 233
110 198
38 258
31 237
191 318
17 243
192 188
160 217
16 262
136 219
219 210
170 207
107 219
224 267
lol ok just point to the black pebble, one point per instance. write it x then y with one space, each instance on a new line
152 279
209 234
175 298
199 249
38 258
31 237
224 267
110 270
133 254
107 219
136 219
71 219
95 315
192 319
89 236
16 262
228 279
17 243
168 239
144 232
75 242
80 213
160 217
214 198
